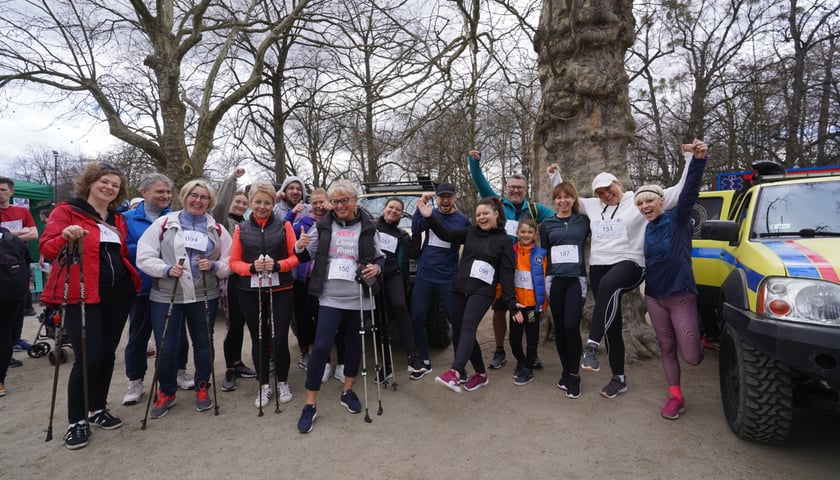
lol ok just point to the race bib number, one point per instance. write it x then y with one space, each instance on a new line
388 243
106 235
523 279
435 241
195 240
482 271
268 281
565 254
609 230
13 225
342 269
511 226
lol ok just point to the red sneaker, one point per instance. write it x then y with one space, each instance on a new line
710 343
449 379
202 398
477 381
673 408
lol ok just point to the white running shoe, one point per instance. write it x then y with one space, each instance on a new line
135 391
264 396
327 372
185 381
284 393
339 372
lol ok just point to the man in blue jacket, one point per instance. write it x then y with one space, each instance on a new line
516 205
435 269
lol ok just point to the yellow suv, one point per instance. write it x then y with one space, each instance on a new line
769 270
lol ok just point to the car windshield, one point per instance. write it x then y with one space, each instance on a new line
375 205
799 209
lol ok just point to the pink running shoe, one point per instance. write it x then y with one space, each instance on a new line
673 408
477 381
449 380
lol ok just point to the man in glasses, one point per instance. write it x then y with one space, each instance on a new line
516 205
435 269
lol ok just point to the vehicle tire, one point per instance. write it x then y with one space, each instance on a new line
756 391
437 325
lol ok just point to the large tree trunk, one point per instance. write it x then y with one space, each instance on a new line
584 121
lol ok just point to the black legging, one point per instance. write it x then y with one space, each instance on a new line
104 323
306 314
394 293
8 312
609 282
566 307
249 304
468 310
236 324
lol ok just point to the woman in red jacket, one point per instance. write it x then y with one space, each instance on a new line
89 224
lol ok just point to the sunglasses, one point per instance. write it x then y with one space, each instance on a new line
110 168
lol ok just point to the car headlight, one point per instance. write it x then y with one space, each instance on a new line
800 300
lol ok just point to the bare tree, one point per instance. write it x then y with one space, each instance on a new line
161 75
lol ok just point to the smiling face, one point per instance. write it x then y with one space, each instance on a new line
158 194
564 203
319 204
343 204
446 203
393 211
526 234
294 193
610 195
651 207
104 190
261 205
239 205
197 201
517 189
486 217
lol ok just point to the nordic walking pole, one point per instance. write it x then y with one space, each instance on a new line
210 340
375 357
79 257
59 352
274 350
160 349
260 277
364 359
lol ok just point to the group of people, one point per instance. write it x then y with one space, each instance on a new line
260 254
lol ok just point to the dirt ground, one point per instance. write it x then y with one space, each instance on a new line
498 432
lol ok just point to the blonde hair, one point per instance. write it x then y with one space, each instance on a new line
261 187
646 193
191 185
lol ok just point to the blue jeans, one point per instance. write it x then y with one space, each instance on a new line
139 332
422 295
196 321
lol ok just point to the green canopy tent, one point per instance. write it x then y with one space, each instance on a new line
39 197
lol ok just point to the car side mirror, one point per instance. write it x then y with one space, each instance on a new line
721 230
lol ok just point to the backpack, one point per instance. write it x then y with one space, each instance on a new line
14 267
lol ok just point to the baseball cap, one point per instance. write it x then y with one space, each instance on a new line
602 180
445 189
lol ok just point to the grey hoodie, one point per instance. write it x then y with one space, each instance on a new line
282 207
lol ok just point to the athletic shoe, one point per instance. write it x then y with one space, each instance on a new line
243 371
518 369
673 408
303 362
185 381
538 364
77 435
526 376
339 372
449 379
328 371
421 374
21 346
2 390
162 405
14 362
573 386
307 418
498 360
384 377
613 388
710 343
105 420
350 401
135 391
229 382
264 397
284 393
476 381
563 383
415 364
202 398
590 358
